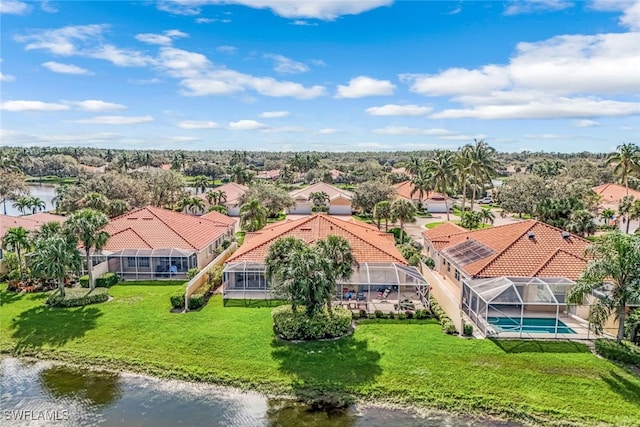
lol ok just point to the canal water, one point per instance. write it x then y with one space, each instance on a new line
45 394
46 192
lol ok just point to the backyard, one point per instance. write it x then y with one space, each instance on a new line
405 362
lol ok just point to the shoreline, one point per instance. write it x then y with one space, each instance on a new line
268 389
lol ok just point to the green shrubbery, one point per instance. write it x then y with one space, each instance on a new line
196 300
623 352
445 321
419 314
106 280
193 272
75 297
299 326
468 330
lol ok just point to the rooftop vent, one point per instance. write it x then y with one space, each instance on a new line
531 235
566 234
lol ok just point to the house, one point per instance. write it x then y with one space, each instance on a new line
28 222
339 200
232 193
93 169
432 202
511 278
154 243
610 197
381 277
271 175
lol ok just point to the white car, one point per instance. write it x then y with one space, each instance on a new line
485 201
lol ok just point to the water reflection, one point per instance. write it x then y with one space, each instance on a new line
96 387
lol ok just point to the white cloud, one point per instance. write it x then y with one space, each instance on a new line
166 38
328 131
57 67
121 57
181 138
96 105
6 77
182 63
195 124
372 145
324 10
458 81
362 86
284 129
304 23
585 123
13 7
47 7
544 136
152 81
517 7
117 120
401 130
273 114
627 128
247 125
31 106
13 137
212 20
630 11
399 110
286 65
227 49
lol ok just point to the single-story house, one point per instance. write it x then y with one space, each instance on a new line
610 197
511 278
381 277
271 175
339 200
432 202
232 194
154 243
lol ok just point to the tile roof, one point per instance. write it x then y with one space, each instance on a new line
270 174
403 189
29 222
612 194
232 191
368 243
219 218
443 231
513 253
151 227
332 192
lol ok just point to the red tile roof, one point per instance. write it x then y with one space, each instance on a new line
151 227
332 192
29 222
232 191
403 189
219 218
511 252
368 243
612 194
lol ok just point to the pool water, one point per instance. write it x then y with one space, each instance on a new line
529 324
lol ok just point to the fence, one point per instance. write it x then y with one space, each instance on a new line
200 279
445 297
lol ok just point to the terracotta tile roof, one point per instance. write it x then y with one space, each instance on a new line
232 190
332 192
29 222
368 243
443 231
403 189
157 228
165 166
219 218
612 194
270 174
509 251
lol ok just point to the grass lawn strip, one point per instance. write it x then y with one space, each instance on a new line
403 363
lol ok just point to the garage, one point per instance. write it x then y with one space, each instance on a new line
301 208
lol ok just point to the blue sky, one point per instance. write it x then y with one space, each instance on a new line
550 75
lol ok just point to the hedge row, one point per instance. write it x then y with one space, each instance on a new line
106 280
418 314
445 321
298 325
196 300
75 299
623 352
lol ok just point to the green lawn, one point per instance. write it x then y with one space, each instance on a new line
410 363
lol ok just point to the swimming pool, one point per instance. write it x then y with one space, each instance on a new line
529 324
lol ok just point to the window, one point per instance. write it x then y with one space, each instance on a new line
457 275
143 262
131 262
448 266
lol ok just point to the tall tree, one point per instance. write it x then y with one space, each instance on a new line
615 269
16 239
625 162
482 164
443 172
462 163
12 186
86 226
404 211
23 204
338 252
118 207
54 257
36 204
487 216
253 216
123 162
422 184
95 201
624 208
320 199
382 211
201 182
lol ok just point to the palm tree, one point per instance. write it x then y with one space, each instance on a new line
319 200
404 211
22 204
95 201
414 166
36 204
625 162
201 182
278 258
616 268
624 207
606 215
487 216
184 204
123 163
197 205
47 230
482 164
53 257
239 174
118 207
86 225
443 172
382 210
421 183
338 252
581 223
462 163
16 239
253 216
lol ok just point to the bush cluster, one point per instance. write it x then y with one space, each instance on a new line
445 321
196 300
106 280
417 314
75 299
623 352
298 325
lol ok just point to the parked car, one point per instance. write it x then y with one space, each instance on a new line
485 201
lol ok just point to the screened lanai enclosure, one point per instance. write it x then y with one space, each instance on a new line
513 306
149 264
385 287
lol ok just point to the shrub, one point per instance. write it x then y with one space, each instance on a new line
378 314
84 281
193 272
215 276
77 297
448 327
409 314
107 280
623 352
391 315
363 313
402 316
422 314
177 300
468 329
298 325
429 262
414 260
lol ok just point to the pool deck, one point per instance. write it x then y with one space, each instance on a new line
580 327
